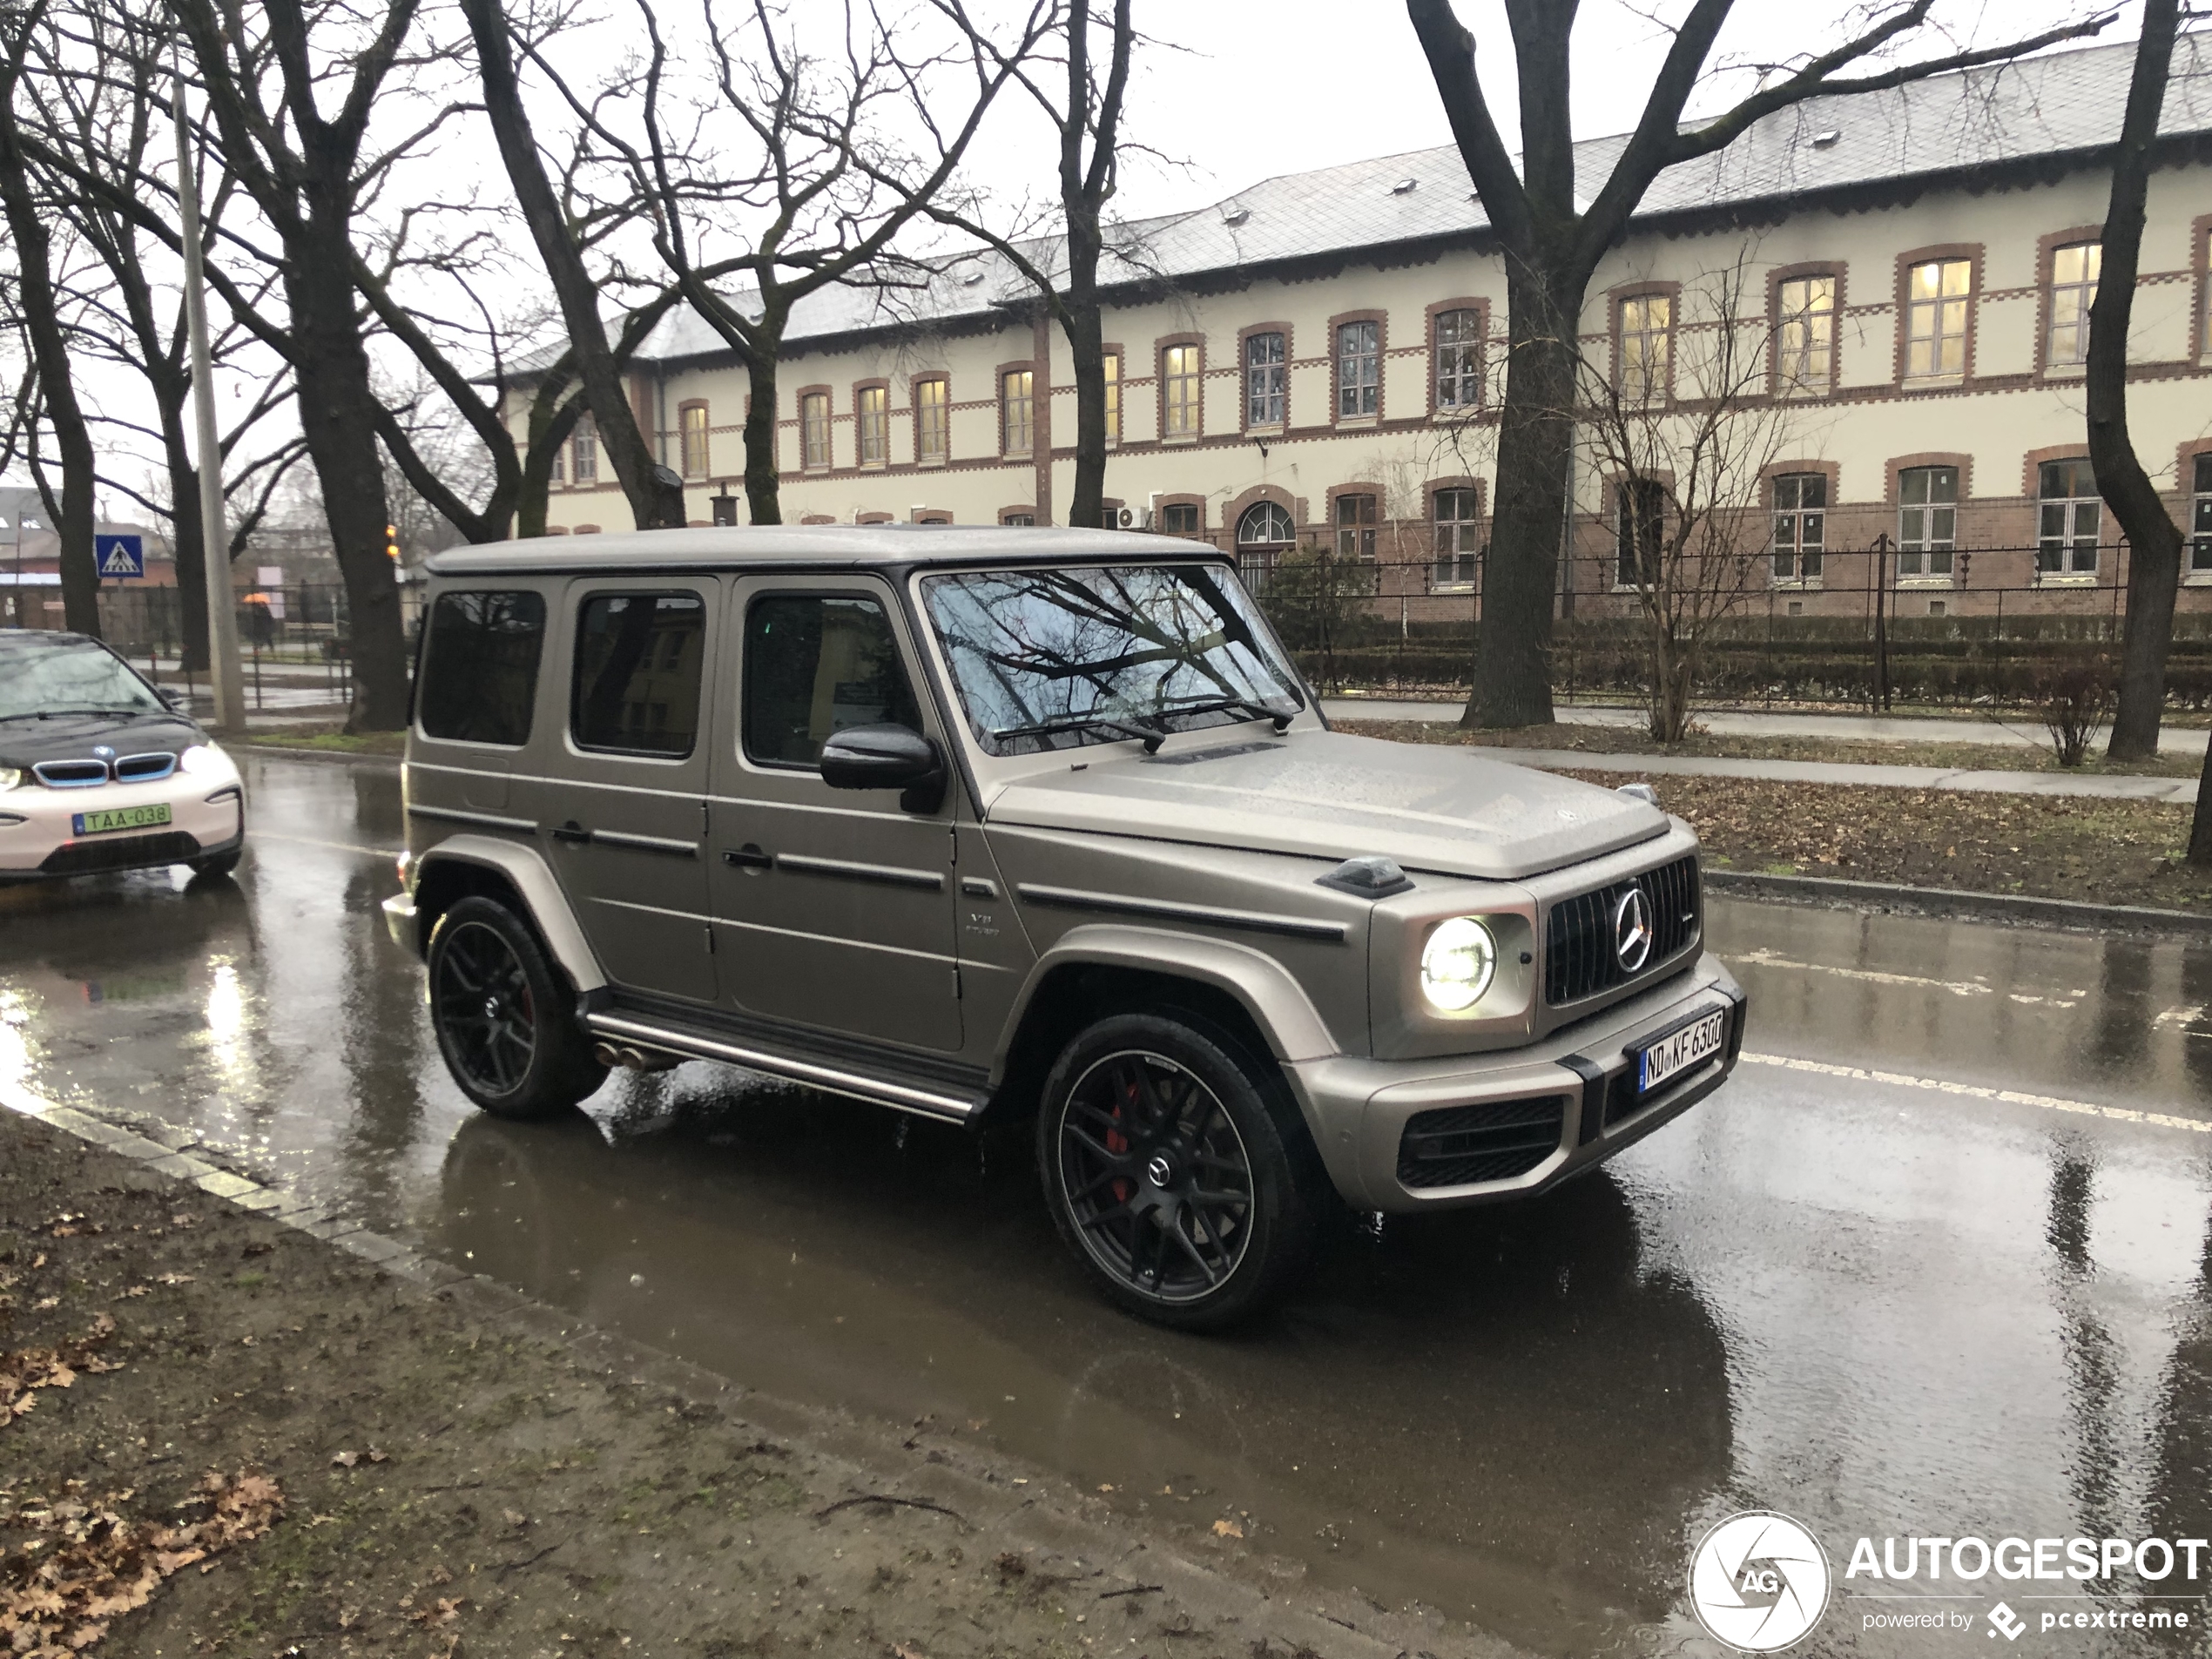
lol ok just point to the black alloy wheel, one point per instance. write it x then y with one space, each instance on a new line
498 1010
1176 1168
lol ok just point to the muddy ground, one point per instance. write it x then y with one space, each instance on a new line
460 1475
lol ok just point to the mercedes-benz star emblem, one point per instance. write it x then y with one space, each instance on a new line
1159 1171
1631 931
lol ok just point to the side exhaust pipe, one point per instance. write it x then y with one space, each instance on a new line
630 1058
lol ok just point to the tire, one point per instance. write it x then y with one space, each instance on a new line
215 869
1139 1111
502 1015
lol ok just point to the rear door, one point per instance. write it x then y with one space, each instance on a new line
626 816
834 908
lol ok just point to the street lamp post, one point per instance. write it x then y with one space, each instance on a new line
222 611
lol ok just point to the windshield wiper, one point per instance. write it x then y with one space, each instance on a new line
1151 736
1222 704
57 714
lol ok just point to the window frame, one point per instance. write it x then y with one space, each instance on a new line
1183 390
1804 573
1340 326
804 587
2067 570
1466 564
693 423
1110 360
876 420
1194 505
2048 251
1783 383
1007 402
1934 558
583 442
1969 254
581 597
814 401
1475 348
1246 339
932 414
1662 492
1660 389
2199 563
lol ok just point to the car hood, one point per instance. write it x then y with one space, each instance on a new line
1329 794
72 737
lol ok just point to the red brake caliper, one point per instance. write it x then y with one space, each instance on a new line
1116 1143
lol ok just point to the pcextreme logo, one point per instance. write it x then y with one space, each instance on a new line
1759 1581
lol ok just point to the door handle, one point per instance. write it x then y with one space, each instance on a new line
571 831
748 857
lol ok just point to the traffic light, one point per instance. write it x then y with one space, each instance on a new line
392 542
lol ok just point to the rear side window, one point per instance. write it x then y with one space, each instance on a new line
480 667
638 661
815 663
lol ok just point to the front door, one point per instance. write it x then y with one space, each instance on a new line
626 819
834 908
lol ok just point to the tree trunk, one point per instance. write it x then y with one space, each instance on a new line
762 505
2154 540
188 542
50 352
338 418
1087 356
1536 438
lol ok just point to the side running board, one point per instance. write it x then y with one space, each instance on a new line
947 1104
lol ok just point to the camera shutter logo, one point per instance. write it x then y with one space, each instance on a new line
1759 1581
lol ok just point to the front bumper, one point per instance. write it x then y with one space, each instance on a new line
399 922
38 839
1359 1110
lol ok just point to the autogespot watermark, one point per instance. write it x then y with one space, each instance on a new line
1760 1582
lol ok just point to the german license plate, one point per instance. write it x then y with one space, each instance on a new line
118 818
1679 1049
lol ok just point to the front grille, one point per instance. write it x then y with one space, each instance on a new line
121 852
1579 957
70 774
1495 1141
144 769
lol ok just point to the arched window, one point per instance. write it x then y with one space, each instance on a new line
1263 525
1263 533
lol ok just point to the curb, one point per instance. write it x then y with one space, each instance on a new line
341 757
2069 914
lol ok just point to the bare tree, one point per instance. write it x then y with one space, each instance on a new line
1685 448
1552 243
2154 540
47 336
806 205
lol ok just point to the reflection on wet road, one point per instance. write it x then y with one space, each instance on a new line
1878 1304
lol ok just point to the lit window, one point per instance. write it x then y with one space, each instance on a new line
814 429
2070 515
1808 335
1459 528
1936 296
1180 518
583 450
1646 340
1800 525
1459 360
2074 290
1262 380
1640 526
693 440
1358 370
1017 410
932 423
1113 362
1927 520
2200 519
874 407
1179 390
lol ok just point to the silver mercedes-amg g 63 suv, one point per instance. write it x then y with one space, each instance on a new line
974 823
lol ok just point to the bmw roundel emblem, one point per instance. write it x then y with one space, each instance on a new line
104 751
1632 930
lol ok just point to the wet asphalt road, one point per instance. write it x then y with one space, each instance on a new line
1970 1292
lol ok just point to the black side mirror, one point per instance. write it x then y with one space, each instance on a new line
887 756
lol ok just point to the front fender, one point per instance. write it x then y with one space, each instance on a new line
528 874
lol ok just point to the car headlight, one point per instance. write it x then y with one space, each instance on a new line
10 777
1458 963
202 759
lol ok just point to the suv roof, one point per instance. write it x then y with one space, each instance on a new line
869 545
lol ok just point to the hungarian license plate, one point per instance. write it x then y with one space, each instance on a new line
1679 1049
118 818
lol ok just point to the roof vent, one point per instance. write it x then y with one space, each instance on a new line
1236 216
971 278
1405 187
1825 140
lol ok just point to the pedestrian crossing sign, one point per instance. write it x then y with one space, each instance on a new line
118 555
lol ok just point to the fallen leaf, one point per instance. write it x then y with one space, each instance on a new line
1227 1529
345 1459
516 1518
176 1279
1105 1487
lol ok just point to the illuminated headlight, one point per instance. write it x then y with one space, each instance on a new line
203 761
10 777
1457 963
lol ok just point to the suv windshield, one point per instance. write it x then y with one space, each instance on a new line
1052 659
70 675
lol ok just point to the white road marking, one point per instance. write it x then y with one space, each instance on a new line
2180 1016
1875 976
1976 1091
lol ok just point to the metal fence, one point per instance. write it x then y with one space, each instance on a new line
1869 626
295 644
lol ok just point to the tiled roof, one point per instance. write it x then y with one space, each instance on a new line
2050 105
